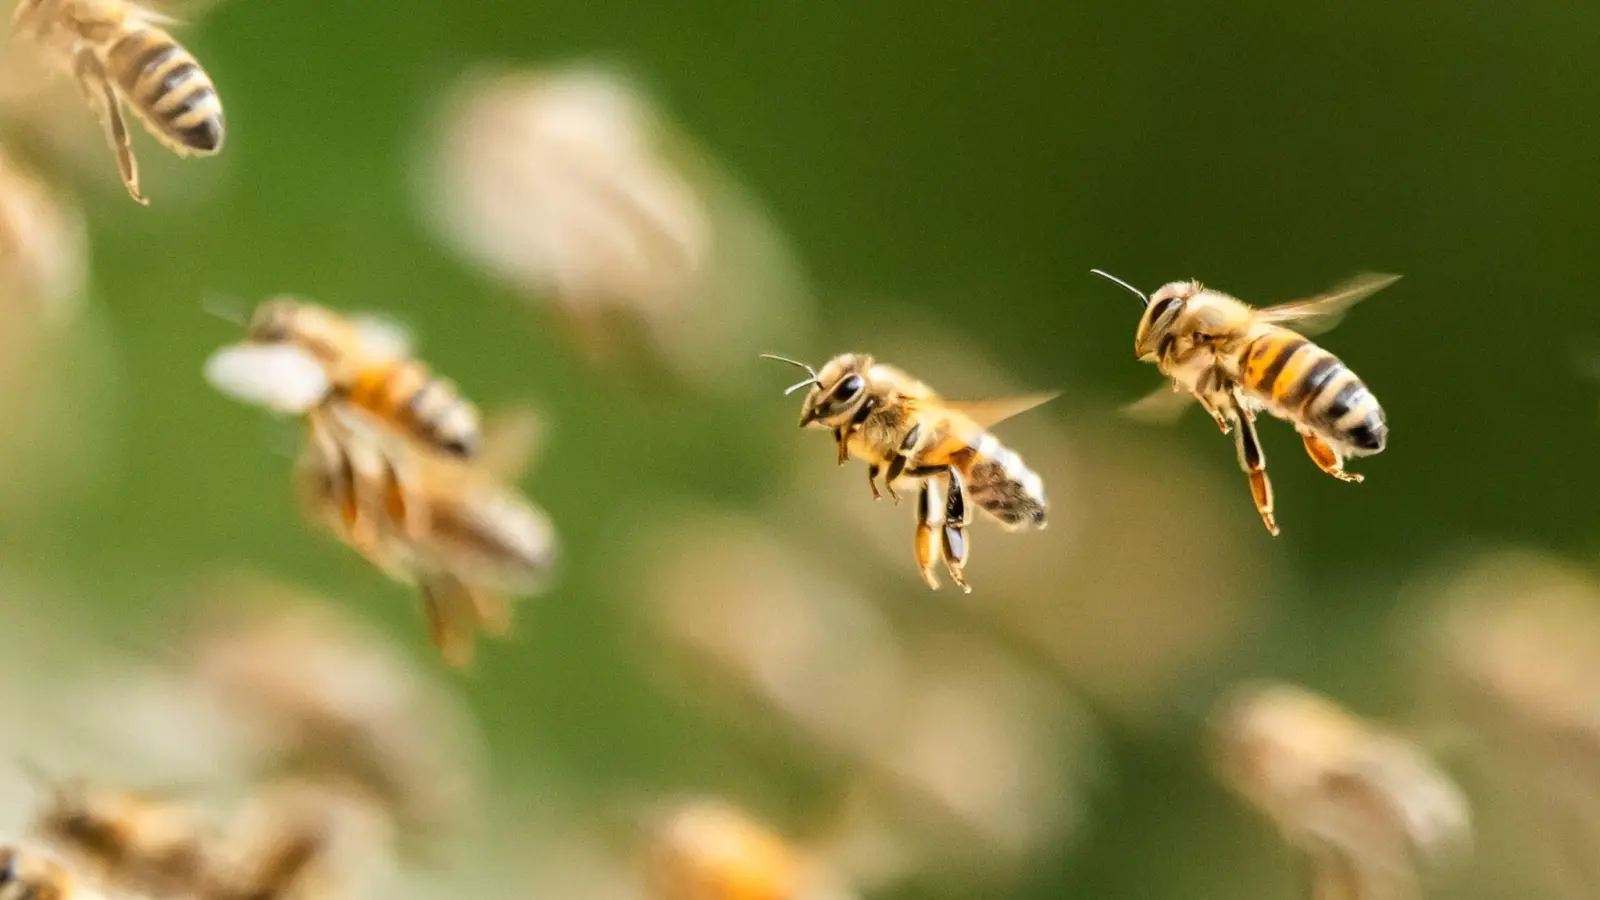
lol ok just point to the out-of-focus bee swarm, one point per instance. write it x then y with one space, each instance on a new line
568 187
960 760
319 696
1371 811
1514 676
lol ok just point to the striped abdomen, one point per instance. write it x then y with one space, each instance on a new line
1003 485
164 84
425 406
1302 383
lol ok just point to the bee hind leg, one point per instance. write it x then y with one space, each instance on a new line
1327 459
954 534
1254 463
872 480
930 510
102 96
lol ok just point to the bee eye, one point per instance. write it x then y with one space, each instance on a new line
849 388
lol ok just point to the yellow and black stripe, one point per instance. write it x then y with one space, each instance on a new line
1298 381
165 85
419 402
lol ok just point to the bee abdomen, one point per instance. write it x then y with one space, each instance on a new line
1004 487
422 403
1305 384
165 84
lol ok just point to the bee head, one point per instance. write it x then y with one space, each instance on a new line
836 392
274 322
1157 327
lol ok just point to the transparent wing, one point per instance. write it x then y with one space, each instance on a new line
512 440
1320 313
280 377
382 337
988 413
1161 406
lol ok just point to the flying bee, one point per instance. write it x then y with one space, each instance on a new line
709 850
908 433
28 873
136 840
452 527
1237 360
1369 808
297 354
121 56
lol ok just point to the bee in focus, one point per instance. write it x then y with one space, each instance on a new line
121 56
454 528
28 873
1368 807
130 840
296 355
708 850
1237 360
910 435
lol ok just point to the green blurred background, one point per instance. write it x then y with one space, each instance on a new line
957 166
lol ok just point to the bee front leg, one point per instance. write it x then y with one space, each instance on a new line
872 480
1216 414
956 520
1254 463
102 96
930 509
1327 458
843 437
897 463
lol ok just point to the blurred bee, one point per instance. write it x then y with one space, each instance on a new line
131 840
1237 360
121 56
297 354
27 873
298 838
1369 808
452 527
906 432
708 850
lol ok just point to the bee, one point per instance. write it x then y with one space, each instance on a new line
1368 807
27 873
708 850
297 354
908 433
1237 360
130 839
452 527
297 838
120 56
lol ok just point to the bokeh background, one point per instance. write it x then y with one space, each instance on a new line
929 183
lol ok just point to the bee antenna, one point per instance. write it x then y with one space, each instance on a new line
797 364
1115 280
226 308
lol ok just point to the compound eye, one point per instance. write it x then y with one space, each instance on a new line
849 388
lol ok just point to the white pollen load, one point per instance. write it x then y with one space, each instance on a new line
279 377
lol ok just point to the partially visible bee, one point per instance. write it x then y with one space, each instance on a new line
299 838
1237 360
455 528
708 850
132 840
1370 810
120 55
28 873
909 434
297 354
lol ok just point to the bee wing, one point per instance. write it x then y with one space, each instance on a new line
1161 406
280 377
989 413
512 440
382 338
1320 313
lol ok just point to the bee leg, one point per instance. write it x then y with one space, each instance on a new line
872 480
929 511
843 437
97 87
1216 414
955 527
1254 463
448 606
897 463
1327 458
